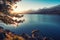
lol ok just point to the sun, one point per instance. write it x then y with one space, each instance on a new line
17 8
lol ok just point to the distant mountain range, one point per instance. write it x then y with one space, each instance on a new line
52 10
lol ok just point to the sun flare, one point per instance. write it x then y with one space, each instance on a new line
17 9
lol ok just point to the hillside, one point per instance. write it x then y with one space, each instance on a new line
52 10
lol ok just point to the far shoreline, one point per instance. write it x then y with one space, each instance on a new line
39 13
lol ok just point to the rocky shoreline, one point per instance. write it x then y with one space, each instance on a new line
6 34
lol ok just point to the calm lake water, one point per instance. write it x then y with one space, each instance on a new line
49 25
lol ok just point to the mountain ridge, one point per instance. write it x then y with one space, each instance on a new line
52 10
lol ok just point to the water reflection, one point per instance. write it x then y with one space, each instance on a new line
45 23
39 19
54 19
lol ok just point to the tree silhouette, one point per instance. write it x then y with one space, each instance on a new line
5 12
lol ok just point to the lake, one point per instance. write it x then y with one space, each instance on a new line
49 25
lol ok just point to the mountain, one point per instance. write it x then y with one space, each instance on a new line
28 12
52 10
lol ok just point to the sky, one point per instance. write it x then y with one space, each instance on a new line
36 4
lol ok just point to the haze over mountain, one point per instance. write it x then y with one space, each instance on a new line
51 10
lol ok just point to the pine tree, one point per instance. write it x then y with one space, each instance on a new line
5 16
